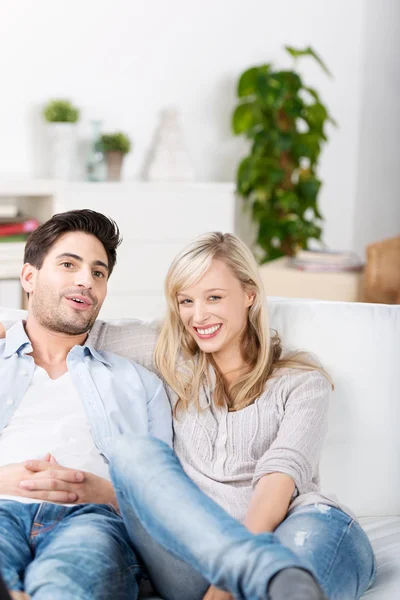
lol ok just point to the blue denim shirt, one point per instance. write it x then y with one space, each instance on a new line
119 396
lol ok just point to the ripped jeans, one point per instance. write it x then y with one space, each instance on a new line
187 541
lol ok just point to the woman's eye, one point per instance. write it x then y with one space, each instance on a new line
215 298
185 301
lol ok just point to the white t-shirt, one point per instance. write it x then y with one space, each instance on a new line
51 418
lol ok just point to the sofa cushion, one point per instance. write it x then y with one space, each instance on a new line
384 533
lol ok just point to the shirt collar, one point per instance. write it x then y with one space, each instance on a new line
87 349
17 341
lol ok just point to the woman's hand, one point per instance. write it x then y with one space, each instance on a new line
50 481
214 593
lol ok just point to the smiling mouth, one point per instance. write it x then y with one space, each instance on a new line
208 332
79 302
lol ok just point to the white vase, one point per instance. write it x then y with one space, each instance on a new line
62 137
168 160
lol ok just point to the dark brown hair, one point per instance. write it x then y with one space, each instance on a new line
88 221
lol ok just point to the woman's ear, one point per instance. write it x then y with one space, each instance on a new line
251 296
28 277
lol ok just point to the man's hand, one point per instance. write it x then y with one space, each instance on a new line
12 475
214 593
47 480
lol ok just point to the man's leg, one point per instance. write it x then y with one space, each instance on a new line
15 552
150 483
81 553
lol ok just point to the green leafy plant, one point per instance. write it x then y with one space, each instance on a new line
285 121
116 142
60 111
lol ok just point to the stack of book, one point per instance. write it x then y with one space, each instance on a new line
14 229
326 260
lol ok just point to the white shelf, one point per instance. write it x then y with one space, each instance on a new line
29 187
53 187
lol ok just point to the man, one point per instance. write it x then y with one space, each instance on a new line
62 400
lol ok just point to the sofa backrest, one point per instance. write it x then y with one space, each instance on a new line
359 345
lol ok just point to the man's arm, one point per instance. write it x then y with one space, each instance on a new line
160 415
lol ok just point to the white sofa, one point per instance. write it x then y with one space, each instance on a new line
359 344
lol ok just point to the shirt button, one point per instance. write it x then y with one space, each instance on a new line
10 401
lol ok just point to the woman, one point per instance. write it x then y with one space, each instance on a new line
249 428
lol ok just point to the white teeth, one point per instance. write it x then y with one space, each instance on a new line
208 331
77 300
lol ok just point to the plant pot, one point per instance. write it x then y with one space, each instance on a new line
114 165
62 138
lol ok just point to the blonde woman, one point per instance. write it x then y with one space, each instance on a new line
236 511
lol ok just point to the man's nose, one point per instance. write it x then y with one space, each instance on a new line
84 278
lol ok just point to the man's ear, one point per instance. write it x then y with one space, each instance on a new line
28 278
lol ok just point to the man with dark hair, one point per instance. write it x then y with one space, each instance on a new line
65 402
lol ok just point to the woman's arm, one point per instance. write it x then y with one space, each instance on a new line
2 331
269 502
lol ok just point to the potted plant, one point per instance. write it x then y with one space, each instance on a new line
61 117
285 120
115 146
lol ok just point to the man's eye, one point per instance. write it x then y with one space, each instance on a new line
98 274
67 264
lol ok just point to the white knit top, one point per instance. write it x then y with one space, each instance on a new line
225 453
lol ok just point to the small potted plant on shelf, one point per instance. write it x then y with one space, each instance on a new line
115 146
285 121
61 116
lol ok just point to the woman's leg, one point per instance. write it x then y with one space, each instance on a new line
334 546
171 578
149 481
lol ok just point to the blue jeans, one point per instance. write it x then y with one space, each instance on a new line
188 542
56 552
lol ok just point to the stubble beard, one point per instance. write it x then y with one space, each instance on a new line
52 316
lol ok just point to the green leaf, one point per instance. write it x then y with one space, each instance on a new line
290 79
308 52
247 85
309 189
293 107
312 93
245 118
307 145
243 177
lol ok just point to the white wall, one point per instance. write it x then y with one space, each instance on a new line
377 206
125 60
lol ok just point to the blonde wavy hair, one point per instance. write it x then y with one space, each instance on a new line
179 359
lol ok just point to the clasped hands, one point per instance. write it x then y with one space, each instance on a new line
46 480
